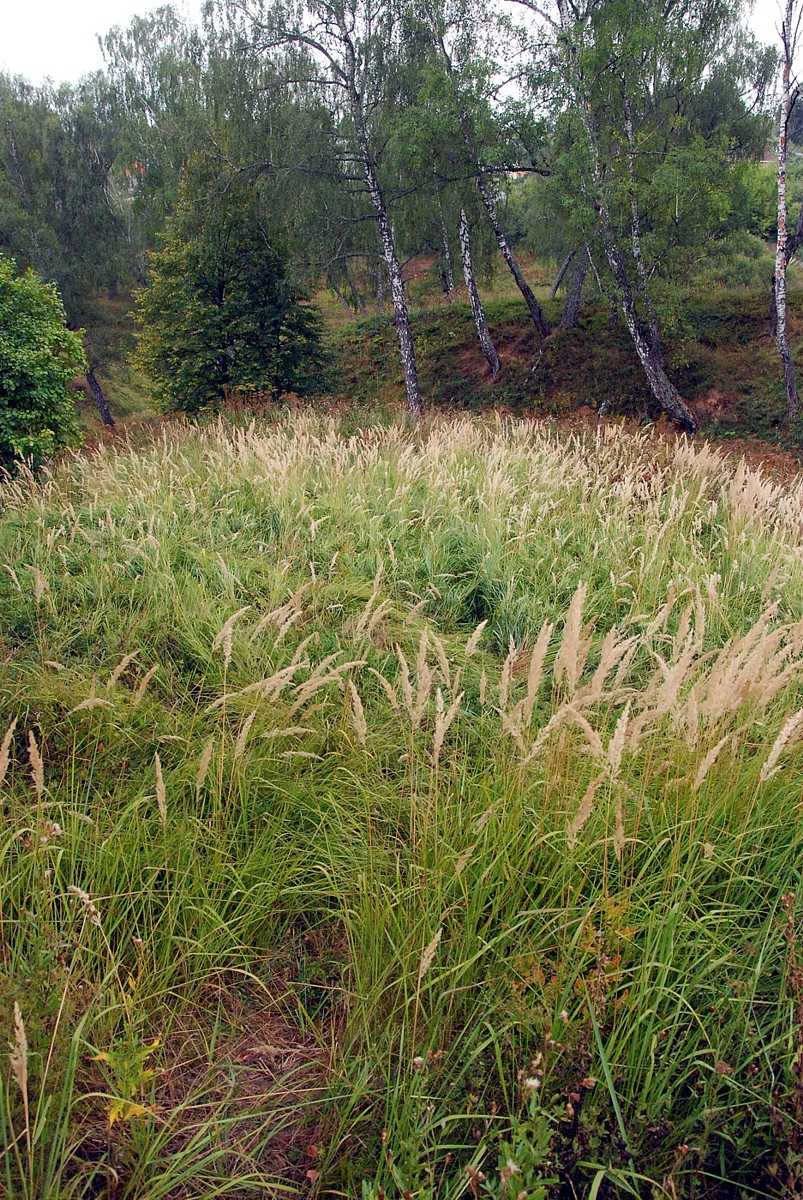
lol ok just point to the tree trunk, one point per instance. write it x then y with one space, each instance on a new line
401 314
340 295
100 399
574 292
635 233
487 199
509 257
380 287
356 298
448 273
788 38
645 340
567 262
348 77
483 332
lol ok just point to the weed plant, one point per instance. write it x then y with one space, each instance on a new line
414 813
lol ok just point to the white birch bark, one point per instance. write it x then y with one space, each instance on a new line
788 41
483 332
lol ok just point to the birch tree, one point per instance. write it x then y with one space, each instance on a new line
477 311
455 33
349 52
640 158
786 243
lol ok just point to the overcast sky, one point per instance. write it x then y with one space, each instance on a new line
56 38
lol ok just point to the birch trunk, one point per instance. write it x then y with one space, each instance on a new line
635 232
567 262
788 38
533 306
483 332
448 266
401 313
645 340
574 292
348 78
97 391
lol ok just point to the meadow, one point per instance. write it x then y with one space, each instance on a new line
401 812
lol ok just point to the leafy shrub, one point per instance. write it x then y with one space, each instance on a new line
741 260
39 356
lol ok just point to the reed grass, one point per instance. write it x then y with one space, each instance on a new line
401 813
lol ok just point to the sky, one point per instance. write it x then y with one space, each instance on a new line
58 39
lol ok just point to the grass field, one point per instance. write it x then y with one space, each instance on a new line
401 813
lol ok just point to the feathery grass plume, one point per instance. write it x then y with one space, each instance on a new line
404 680
89 908
787 731
713 754
612 653
14 577
37 766
443 720
365 621
443 661
357 713
288 731
474 641
161 792
242 736
304 692
124 662
139 694
617 743
203 766
421 656
283 617
507 673
575 644
18 1062
224 637
584 811
521 716
40 585
92 701
428 956
593 740
464 859
424 681
387 688
5 750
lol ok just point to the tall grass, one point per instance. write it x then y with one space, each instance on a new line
401 814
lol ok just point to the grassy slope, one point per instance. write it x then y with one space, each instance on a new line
393 884
721 358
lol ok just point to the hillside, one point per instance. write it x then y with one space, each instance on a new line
723 361
401 812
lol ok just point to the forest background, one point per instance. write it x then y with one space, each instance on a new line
607 169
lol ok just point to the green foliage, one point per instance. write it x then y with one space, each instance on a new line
39 356
220 315
57 147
